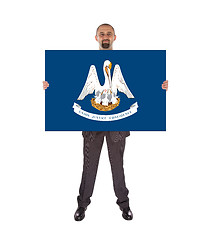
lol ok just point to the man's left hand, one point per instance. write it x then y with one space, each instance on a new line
165 85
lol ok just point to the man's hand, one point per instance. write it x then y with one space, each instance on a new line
45 85
165 85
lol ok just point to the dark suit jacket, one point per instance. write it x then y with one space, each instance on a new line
115 136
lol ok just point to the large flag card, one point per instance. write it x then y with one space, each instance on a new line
113 90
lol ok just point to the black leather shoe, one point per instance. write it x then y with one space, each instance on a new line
80 213
127 213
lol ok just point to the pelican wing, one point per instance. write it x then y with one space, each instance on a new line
119 83
92 83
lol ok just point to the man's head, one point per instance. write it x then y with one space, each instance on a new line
105 36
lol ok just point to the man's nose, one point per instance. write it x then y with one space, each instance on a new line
105 36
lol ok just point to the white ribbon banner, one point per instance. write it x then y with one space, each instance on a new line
112 117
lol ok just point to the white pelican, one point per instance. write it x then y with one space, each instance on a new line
108 92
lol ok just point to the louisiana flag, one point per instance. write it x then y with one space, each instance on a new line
113 90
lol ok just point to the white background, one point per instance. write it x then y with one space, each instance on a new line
167 173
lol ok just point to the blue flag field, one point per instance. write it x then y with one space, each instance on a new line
113 90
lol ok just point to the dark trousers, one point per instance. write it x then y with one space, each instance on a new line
92 150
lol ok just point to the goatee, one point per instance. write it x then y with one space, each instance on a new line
105 45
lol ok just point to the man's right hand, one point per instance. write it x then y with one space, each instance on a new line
45 85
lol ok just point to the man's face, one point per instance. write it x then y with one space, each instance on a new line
105 36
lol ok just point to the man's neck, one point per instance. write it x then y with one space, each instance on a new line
106 49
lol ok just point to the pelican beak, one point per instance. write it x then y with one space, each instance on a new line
106 70
110 65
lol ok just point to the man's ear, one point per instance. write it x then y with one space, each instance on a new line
114 37
96 38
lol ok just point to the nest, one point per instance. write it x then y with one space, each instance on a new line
101 107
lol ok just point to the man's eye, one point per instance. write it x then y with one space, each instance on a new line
101 34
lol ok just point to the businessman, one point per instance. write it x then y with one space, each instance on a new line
93 142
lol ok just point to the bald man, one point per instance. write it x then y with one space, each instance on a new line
93 142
